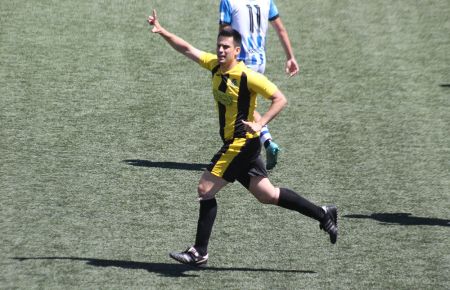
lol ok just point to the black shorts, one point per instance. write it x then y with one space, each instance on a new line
238 159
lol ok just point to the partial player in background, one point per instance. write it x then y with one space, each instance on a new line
251 19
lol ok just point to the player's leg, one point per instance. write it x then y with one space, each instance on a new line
265 192
222 169
272 148
208 186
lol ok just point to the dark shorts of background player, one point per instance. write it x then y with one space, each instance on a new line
244 165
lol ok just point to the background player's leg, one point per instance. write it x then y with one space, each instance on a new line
272 148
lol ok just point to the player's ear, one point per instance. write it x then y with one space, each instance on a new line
237 50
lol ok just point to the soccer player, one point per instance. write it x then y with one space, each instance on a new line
235 88
251 19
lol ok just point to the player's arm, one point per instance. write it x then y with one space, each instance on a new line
223 25
225 16
278 103
176 42
292 67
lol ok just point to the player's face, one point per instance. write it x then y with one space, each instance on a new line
226 51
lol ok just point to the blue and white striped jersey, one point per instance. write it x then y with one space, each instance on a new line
251 18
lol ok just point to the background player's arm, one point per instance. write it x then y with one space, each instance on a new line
292 67
223 25
278 103
176 42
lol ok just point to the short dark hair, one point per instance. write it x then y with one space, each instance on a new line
230 32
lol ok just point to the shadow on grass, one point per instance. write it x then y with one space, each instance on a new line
445 85
406 219
163 269
166 164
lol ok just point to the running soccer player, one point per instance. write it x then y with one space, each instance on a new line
251 19
235 88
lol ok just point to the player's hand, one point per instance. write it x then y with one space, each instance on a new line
292 67
252 127
153 20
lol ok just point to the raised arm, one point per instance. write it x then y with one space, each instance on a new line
223 25
176 42
292 67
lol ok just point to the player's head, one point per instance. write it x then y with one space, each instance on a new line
228 45
230 32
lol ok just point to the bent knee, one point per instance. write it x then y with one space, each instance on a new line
204 192
201 190
270 196
267 199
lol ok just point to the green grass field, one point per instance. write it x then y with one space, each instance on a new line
104 131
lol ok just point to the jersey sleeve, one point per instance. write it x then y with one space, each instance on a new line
225 12
261 85
208 61
273 11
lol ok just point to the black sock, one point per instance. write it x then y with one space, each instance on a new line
208 212
293 201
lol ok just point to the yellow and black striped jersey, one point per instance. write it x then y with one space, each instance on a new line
235 94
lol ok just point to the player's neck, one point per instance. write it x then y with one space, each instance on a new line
224 67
